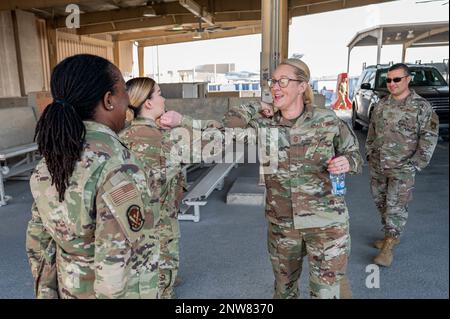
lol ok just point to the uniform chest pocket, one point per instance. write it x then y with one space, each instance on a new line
302 152
127 207
407 124
302 145
315 148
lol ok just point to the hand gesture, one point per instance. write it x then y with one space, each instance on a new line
266 110
170 119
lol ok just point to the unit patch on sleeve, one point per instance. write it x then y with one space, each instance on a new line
135 218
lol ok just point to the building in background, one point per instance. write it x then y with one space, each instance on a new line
200 73
209 80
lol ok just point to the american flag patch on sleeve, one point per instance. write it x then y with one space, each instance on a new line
123 194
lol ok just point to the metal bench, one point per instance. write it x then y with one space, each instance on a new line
18 152
24 165
198 194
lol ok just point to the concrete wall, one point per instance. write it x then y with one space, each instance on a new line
184 90
30 51
319 100
172 90
17 126
12 102
9 74
223 94
204 109
214 108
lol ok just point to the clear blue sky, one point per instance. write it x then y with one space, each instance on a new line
322 38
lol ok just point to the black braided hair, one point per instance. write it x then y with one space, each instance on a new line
78 84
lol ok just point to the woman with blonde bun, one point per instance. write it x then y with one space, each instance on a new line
151 144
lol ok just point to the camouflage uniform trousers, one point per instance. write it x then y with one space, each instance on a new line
169 261
327 250
391 191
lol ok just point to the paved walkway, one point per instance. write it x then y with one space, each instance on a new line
225 255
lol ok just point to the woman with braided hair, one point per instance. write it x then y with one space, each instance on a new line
92 233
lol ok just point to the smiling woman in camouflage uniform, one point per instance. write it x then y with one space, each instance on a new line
152 145
302 213
93 228
300 208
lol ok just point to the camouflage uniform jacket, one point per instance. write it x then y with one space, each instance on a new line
104 233
152 146
402 135
299 192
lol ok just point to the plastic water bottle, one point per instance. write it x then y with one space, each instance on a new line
338 184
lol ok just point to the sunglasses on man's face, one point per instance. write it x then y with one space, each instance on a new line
395 80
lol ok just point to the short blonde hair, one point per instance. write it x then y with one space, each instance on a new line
139 90
303 73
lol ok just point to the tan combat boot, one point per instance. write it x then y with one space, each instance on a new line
379 243
386 255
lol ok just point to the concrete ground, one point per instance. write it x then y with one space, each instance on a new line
225 254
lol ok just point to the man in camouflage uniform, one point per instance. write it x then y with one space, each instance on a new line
152 146
101 241
402 136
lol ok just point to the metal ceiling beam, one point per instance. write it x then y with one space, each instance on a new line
142 23
205 36
236 5
105 16
427 35
161 9
126 14
142 35
304 7
198 11
147 23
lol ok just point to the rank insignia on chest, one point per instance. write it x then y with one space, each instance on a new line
135 218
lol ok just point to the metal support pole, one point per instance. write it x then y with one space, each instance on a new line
275 36
157 62
275 22
348 60
141 60
380 46
2 191
404 53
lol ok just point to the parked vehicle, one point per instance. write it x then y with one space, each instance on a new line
426 81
